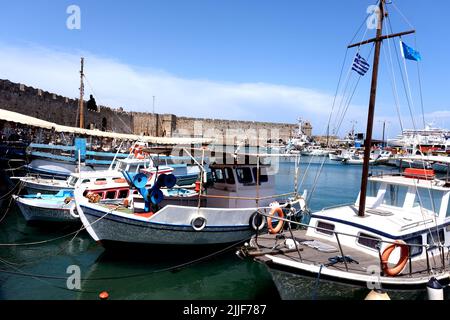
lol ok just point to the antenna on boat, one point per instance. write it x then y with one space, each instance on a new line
373 93
81 102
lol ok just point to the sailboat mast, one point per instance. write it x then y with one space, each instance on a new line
373 94
81 102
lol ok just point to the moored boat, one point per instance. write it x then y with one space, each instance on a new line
53 208
226 212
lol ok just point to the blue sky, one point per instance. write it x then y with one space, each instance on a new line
245 59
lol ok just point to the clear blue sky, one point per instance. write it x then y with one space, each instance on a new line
285 42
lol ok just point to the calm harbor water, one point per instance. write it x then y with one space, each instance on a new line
144 274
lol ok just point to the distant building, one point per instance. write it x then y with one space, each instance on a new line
307 128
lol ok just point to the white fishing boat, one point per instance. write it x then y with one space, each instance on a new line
315 151
225 212
43 207
394 237
102 181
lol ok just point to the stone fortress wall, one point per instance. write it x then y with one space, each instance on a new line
62 110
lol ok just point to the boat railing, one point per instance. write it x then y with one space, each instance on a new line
427 248
249 198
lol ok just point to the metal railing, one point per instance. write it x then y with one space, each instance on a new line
428 248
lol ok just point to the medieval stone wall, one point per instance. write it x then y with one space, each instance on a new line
61 110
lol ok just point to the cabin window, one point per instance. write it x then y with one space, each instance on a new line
86 181
325 228
110 195
415 250
428 199
73 181
395 195
218 176
373 187
244 175
434 238
369 241
229 177
123 194
262 175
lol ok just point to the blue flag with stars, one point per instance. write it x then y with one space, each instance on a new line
409 53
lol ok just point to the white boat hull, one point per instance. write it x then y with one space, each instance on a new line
163 230
35 210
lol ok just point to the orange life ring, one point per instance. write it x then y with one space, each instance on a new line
280 223
404 256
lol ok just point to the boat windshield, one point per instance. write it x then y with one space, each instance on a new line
395 195
428 199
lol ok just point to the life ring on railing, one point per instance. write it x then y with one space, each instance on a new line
257 221
404 256
280 223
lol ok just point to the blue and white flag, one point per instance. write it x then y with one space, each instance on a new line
360 65
409 53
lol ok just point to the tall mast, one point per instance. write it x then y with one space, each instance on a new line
81 102
373 95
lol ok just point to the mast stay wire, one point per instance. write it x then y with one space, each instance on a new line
433 207
339 117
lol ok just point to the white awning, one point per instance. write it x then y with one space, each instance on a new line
15 117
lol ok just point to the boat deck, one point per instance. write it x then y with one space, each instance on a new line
267 247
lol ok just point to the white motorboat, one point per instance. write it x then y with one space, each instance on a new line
394 237
315 151
53 208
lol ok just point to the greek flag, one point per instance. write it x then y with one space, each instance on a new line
360 65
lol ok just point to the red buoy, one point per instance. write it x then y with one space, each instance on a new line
103 295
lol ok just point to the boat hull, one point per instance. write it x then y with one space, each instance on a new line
33 210
343 278
114 228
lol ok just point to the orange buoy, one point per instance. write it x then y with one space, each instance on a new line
103 295
404 256
197 186
279 227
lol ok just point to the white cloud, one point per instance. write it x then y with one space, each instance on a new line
117 84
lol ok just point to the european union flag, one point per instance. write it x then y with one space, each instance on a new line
409 53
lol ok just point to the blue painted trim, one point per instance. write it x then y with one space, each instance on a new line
49 146
52 156
50 172
375 231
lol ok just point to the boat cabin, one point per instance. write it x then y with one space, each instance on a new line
405 207
232 181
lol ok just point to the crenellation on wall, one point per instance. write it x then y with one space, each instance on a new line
63 110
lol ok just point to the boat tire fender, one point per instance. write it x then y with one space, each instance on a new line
257 221
198 223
